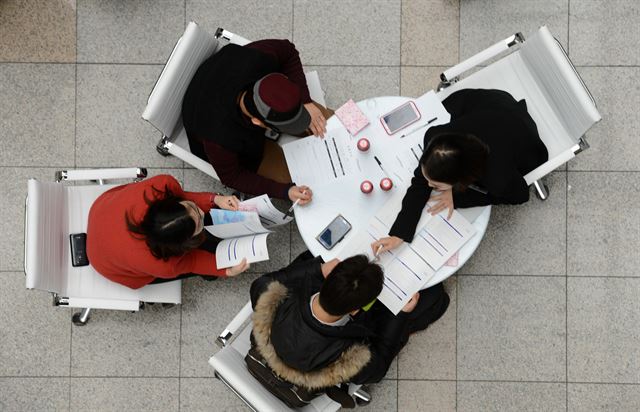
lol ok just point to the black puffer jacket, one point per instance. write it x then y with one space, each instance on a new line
296 345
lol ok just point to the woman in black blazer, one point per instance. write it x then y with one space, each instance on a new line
477 159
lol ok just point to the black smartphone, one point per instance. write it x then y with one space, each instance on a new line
79 249
334 232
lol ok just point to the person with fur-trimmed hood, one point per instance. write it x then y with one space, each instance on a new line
309 327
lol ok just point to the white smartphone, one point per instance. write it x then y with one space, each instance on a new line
400 117
334 232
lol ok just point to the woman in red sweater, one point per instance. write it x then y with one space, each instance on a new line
152 232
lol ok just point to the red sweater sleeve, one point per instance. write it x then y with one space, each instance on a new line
288 58
197 261
232 174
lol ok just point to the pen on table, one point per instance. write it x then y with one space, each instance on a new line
419 127
290 211
380 164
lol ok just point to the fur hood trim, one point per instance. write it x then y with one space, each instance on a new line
350 362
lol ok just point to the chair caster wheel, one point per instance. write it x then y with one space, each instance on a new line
362 402
77 319
162 150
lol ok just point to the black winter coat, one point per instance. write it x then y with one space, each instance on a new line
515 149
303 343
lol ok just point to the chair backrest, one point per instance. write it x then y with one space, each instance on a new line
46 253
164 105
231 368
560 82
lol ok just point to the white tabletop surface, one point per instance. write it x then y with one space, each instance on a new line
346 198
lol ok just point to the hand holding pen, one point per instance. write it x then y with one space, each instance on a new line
299 195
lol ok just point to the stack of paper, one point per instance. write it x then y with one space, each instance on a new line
244 232
409 268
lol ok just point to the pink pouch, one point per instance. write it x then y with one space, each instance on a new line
352 117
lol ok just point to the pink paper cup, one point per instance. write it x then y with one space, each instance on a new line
366 187
363 144
386 184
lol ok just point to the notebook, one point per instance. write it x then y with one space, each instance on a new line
352 117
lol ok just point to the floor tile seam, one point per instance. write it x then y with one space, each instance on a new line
384 379
551 276
601 171
458 283
21 270
508 275
293 16
306 64
529 381
120 377
566 285
180 350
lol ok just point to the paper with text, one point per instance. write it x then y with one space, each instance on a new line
243 237
409 268
230 252
313 161
269 215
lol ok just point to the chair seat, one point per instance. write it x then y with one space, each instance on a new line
82 285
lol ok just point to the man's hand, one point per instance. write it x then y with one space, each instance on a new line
318 123
300 192
238 269
387 243
411 305
226 202
444 200
329 266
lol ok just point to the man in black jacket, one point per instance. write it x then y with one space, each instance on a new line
309 327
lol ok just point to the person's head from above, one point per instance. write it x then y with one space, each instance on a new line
352 284
172 226
275 102
453 159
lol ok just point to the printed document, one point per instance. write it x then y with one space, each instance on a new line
313 161
243 233
269 215
409 268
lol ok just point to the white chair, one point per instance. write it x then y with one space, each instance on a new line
53 212
540 72
164 105
230 367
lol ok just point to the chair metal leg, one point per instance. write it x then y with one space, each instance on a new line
361 397
542 190
81 318
162 148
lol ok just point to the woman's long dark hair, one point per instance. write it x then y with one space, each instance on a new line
167 227
458 159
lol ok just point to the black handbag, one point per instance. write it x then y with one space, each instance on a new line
292 395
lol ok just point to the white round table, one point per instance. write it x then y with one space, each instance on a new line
346 198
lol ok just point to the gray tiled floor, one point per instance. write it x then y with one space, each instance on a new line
545 315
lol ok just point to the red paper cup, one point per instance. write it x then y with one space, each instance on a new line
363 144
386 184
366 187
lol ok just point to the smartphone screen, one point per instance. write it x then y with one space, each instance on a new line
401 117
334 232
